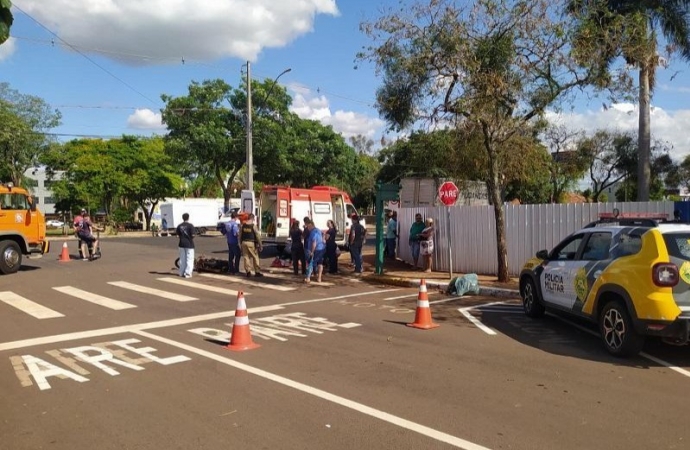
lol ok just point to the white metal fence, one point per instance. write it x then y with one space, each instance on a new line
529 228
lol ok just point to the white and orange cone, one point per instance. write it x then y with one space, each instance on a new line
64 255
241 338
422 317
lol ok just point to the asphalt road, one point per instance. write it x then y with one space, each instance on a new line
122 354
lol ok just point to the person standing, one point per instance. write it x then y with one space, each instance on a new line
315 249
392 234
164 225
426 243
231 230
250 242
297 248
415 230
331 247
358 235
185 233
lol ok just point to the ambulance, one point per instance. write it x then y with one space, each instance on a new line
277 206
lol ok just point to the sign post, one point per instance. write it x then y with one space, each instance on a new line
448 195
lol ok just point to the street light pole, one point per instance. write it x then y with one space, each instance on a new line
250 131
250 156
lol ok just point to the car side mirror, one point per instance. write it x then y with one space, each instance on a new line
543 254
32 207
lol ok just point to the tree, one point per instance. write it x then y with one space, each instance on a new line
362 144
109 175
664 172
609 155
566 165
151 176
25 121
630 28
206 135
490 68
6 19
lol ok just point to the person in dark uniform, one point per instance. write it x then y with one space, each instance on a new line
297 248
250 242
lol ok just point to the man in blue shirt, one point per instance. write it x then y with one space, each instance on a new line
231 230
315 249
392 234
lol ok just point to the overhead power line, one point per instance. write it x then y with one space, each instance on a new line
88 58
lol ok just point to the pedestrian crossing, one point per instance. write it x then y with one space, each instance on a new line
67 296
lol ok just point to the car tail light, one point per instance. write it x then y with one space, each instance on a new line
665 274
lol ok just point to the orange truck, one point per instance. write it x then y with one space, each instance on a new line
22 228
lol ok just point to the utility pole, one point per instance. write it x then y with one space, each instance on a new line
250 131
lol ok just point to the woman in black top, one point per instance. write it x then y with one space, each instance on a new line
297 248
331 247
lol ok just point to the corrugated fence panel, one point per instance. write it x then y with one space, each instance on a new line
529 228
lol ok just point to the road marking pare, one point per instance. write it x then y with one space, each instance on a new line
109 357
279 327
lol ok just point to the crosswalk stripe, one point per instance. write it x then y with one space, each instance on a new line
290 277
204 287
242 280
152 291
94 298
27 306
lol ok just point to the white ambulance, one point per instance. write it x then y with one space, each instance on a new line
279 205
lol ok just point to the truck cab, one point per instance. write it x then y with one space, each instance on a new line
22 228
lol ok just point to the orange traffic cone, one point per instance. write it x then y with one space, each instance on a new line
422 317
64 255
241 338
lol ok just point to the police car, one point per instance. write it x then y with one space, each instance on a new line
628 274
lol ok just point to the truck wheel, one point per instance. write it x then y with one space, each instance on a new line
530 302
10 257
617 330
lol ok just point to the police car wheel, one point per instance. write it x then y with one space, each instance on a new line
617 331
10 257
530 300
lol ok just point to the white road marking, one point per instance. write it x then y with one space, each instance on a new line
359 407
293 278
204 287
476 322
162 324
127 328
659 361
466 312
94 298
27 306
245 280
350 325
402 296
152 291
360 294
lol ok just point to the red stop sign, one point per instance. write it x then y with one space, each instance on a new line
448 193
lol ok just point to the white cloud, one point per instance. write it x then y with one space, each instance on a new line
168 30
8 48
145 119
668 126
347 123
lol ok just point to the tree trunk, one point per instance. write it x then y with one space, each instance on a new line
643 137
494 186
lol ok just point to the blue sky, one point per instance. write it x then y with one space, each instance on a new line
142 44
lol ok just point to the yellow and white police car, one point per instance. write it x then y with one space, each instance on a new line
630 276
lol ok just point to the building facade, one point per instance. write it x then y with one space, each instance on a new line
40 188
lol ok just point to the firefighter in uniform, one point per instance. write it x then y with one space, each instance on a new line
250 242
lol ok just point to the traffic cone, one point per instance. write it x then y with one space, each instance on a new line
241 338
422 317
64 255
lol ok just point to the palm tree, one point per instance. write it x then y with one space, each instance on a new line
607 29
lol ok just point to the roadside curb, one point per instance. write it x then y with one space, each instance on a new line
490 291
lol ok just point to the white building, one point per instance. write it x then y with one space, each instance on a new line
41 188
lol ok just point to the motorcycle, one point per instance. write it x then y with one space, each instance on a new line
94 253
204 264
